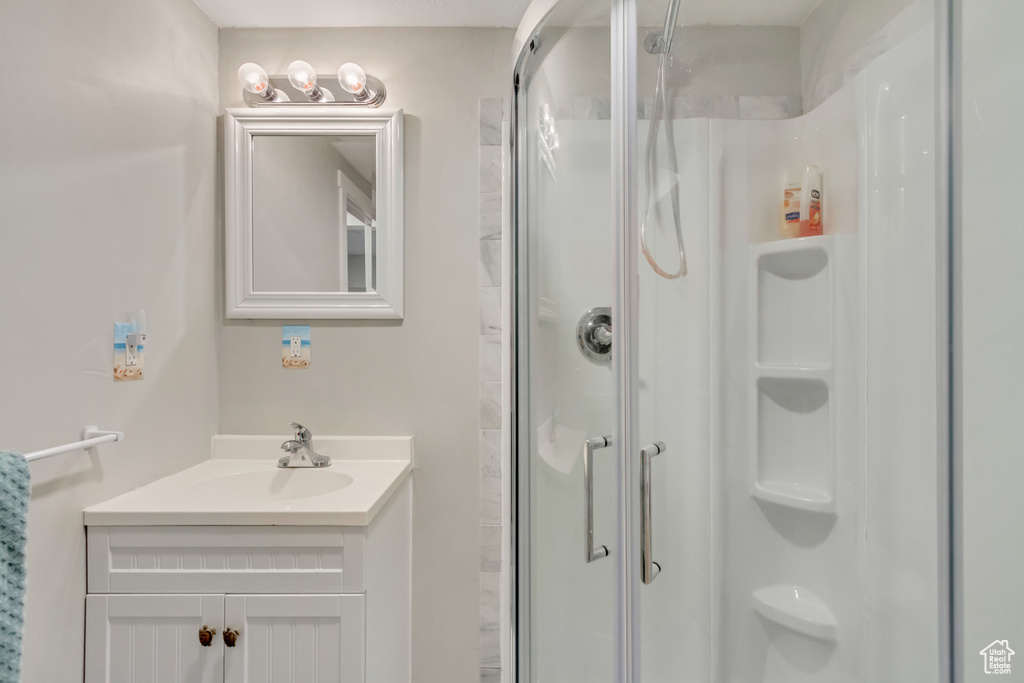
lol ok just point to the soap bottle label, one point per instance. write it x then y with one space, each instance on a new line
789 225
813 225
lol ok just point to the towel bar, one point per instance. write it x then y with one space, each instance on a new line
91 436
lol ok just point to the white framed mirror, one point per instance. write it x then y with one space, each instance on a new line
313 213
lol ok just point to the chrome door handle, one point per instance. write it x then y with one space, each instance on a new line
589 446
649 569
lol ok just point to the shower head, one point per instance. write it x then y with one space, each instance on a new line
662 44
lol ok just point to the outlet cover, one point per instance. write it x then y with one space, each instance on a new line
295 346
128 348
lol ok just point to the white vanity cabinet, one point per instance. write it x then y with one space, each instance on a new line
287 638
295 638
309 604
153 638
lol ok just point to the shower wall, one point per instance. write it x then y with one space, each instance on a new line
798 537
836 29
841 37
727 72
786 419
825 417
677 608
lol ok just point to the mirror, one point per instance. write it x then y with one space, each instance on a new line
313 213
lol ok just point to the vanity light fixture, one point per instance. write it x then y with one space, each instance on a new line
255 80
361 90
303 77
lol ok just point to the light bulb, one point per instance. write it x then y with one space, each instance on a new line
352 79
302 76
254 79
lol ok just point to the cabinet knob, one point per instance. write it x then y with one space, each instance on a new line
206 635
230 637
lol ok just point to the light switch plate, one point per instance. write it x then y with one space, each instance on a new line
295 346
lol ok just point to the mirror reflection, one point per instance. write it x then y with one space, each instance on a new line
314 213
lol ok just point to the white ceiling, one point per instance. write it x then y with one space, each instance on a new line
505 13
324 13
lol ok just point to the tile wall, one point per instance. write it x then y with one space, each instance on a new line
491 560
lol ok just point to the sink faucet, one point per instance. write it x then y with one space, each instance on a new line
300 450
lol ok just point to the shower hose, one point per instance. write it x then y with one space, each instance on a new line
659 117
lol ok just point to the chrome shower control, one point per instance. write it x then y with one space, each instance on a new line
594 335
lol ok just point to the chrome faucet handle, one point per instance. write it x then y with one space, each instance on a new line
302 435
301 455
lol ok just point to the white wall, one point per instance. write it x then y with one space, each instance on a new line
107 179
418 376
990 284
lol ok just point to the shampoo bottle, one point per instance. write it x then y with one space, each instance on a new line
789 217
810 203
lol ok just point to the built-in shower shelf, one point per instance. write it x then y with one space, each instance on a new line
795 360
796 609
821 373
794 245
792 300
794 495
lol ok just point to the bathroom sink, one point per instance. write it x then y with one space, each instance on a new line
241 484
275 484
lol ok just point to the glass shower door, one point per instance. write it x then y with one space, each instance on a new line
751 489
568 520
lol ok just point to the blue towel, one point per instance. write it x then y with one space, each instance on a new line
14 493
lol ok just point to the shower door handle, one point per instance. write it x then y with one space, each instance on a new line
649 569
589 446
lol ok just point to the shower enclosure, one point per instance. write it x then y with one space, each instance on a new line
737 474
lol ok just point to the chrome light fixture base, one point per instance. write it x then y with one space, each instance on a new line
341 98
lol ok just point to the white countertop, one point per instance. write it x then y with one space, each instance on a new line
242 485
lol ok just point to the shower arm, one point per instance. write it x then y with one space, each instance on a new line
662 44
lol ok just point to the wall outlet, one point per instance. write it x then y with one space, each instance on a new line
133 349
128 352
295 346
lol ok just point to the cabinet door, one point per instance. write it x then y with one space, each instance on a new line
295 638
153 639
